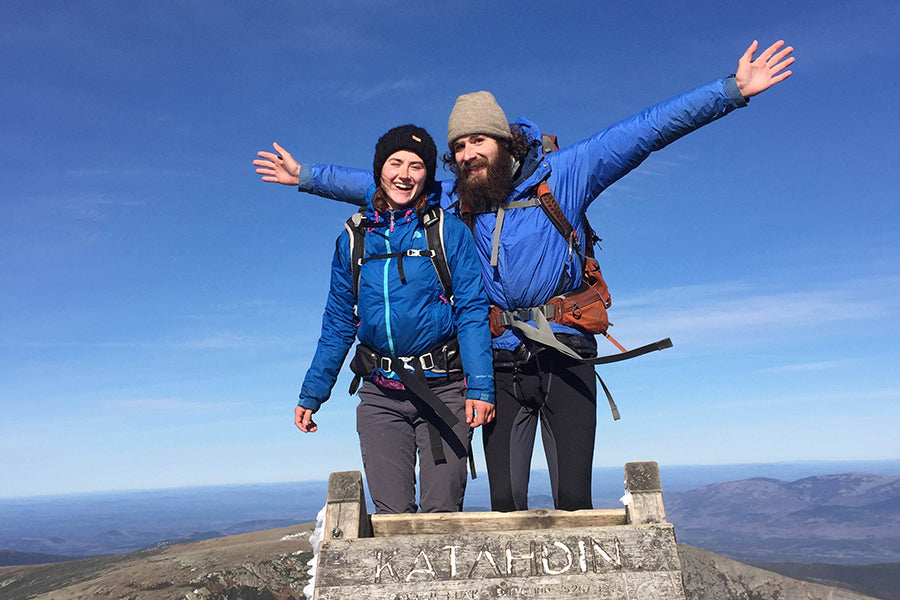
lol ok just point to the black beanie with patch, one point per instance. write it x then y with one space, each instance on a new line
406 137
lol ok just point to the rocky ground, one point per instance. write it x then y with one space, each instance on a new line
272 565
266 565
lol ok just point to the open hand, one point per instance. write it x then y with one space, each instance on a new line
278 166
755 76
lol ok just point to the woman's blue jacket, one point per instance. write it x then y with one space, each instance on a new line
403 319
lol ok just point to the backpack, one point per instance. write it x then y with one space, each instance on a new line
432 219
584 307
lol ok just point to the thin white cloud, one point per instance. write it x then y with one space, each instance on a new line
79 344
730 311
856 398
642 183
234 341
167 405
388 87
825 365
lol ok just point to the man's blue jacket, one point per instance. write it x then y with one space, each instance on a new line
534 261
403 319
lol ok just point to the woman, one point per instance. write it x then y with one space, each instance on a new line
403 315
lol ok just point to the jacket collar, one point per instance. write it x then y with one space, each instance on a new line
434 199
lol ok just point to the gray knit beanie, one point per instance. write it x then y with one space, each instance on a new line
477 112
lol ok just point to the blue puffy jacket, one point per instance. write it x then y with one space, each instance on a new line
403 319
533 257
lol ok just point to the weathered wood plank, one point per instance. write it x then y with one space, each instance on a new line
612 562
614 586
642 477
345 509
644 493
449 523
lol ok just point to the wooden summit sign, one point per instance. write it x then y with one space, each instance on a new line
627 554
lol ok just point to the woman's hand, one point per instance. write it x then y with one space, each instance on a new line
478 412
303 420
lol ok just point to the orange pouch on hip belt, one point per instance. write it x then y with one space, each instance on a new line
583 308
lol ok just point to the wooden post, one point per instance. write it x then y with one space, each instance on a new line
645 490
345 510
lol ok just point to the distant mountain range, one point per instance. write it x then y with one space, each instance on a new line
852 518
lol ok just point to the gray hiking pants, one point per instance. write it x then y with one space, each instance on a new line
393 426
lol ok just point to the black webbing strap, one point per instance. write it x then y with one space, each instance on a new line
355 226
416 383
471 454
433 220
400 256
611 358
612 403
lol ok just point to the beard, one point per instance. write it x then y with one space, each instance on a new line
485 193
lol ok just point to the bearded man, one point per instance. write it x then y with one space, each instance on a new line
525 261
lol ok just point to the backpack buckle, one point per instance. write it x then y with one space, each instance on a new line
386 364
417 252
406 360
427 361
524 314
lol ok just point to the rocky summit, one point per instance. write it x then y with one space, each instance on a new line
272 565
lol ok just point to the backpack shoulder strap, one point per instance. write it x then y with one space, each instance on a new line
559 220
554 212
433 219
355 226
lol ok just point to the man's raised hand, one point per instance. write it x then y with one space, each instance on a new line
755 76
278 166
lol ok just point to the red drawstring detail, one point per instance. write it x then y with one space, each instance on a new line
442 298
377 220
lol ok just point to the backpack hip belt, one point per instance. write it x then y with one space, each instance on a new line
504 318
443 359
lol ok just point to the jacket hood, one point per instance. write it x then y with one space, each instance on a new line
535 148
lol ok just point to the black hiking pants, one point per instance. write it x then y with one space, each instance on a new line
561 393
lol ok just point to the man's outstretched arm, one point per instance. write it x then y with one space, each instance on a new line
592 165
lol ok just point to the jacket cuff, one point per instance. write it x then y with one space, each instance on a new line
734 92
306 182
480 392
310 403
483 397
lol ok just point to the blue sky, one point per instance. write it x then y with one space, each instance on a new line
159 305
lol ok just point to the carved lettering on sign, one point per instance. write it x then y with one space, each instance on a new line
485 553
530 557
452 550
428 570
454 562
597 549
545 559
381 565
